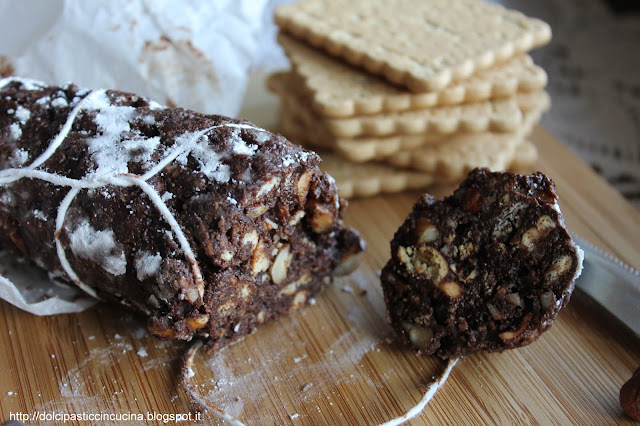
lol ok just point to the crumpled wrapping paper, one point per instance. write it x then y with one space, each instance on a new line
195 54
32 290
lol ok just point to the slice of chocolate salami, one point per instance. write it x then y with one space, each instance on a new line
487 268
207 224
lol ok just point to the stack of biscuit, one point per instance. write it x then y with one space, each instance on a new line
400 94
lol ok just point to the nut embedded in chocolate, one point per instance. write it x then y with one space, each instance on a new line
487 268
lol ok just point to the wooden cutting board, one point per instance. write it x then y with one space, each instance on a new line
336 361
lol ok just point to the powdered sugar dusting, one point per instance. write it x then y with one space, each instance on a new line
289 159
5 81
112 158
64 131
147 265
110 118
208 159
228 379
26 84
19 158
91 384
149 119
59 102
310 378
38 214
261 137
154 106
15 130
22 114
44 100
110 155
239 146
99 246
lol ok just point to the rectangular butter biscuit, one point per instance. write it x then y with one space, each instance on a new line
337 89
421 45
362 149
500 115
454 159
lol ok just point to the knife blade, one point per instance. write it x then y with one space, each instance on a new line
611 282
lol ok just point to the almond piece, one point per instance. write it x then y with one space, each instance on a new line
451 289
322 219
280 266
198 322
303 186
426 231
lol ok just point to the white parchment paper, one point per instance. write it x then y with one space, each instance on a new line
194 54
32 290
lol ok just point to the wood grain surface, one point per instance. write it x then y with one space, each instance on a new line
336 361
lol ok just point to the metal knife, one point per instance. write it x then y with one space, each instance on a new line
612 283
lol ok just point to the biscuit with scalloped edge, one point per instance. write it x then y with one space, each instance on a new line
500 115
423 45
367 149
362 149
369 179
461 154
454 160
337 89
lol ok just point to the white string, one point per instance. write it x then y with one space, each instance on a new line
428 396
185 378
62 211
187 373
12 175
8 176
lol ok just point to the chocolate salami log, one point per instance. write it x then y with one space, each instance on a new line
206 224
487 268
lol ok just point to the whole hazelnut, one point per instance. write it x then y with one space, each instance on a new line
630 396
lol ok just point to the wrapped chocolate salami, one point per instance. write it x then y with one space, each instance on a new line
206 224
